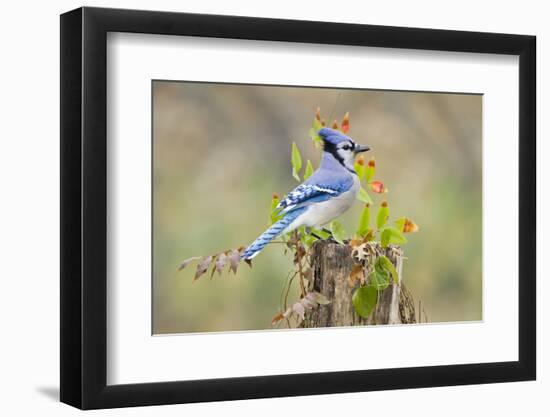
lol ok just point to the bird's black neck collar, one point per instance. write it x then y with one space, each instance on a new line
331 149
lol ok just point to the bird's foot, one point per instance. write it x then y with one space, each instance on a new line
330 238
325 235
309 231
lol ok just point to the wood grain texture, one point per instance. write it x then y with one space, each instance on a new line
332 264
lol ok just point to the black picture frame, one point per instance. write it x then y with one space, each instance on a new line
84 207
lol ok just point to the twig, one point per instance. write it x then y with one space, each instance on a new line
285 307
334 107
287 278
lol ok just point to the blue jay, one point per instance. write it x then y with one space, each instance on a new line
325 195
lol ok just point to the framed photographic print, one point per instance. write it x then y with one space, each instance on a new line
257 208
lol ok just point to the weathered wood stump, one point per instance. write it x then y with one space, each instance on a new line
332 264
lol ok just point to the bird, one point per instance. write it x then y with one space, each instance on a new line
325 195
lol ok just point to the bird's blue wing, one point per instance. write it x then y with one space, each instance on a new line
305 194
316 189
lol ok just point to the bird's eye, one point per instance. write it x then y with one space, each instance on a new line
346 147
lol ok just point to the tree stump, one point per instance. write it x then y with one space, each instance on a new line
332 264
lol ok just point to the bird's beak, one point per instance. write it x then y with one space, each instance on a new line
361 148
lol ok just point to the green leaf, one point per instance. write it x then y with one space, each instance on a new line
321 233
274 212
308 240
391 235
363 196
296 160
337 231
314 133
364 300
379 277
317 125
370 170
360 169
302 234
309 170
364 222
382 215
274 201
387 265
385 238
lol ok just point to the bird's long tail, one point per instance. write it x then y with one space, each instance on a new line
275 230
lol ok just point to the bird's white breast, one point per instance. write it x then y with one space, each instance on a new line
319 214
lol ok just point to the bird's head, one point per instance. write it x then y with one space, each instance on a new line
342 147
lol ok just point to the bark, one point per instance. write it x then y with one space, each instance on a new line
332 264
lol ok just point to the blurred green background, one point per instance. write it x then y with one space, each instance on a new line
221 150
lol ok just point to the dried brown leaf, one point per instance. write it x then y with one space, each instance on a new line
234 259
221 261
357 275
300 252
202 267
308 278
410 226
277 319
319 298
287 313
187 262
355 242
294 238
370 236
310 301
299 309
214 260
